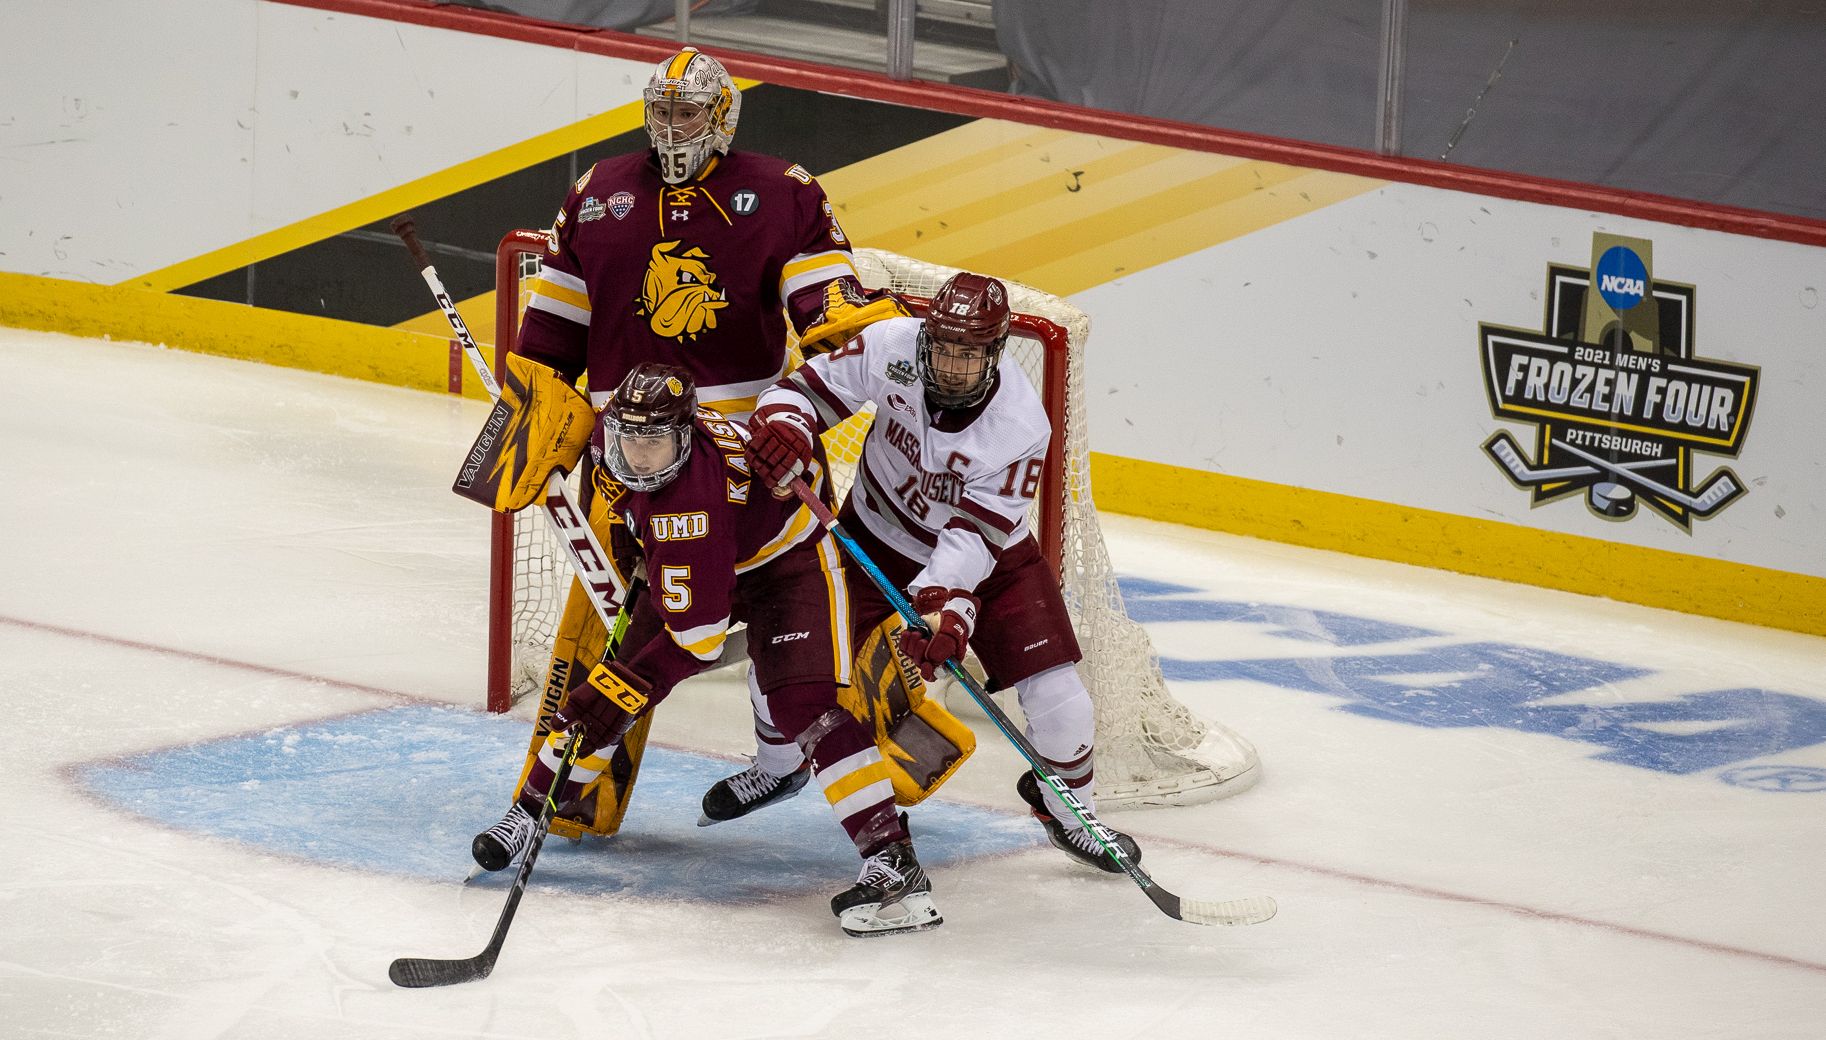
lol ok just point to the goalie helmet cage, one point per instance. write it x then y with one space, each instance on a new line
1151 749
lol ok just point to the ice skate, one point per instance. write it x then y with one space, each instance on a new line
737 796
503 843
1075 842
892 895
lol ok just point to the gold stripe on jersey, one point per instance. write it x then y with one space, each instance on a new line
705 642
555 293
797 527
830 561
812 268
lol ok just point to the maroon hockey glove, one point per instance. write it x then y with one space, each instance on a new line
956 610
605 704
779 444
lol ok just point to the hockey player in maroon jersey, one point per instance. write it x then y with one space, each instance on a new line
716 550
686 254
941 500
695 255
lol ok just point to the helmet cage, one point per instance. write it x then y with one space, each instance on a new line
972 393
696 78
969 310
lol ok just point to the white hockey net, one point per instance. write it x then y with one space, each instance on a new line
1151 749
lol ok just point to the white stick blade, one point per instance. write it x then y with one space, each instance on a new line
1228 912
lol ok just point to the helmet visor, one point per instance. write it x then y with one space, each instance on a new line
645 458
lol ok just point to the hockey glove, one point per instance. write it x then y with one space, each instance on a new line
779 445
951 616
605 705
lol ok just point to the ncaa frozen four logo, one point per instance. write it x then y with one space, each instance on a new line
1616 393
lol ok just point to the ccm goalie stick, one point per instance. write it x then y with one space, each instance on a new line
420 972
1252 910
569 522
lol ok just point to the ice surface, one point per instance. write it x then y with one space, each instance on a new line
238 603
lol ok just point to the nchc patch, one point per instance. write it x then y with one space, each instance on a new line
1617 395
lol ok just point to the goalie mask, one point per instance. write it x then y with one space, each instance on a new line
644 437
961 340
691 109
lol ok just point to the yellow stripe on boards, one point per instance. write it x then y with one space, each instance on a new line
966 225
1072 270
911 176
848 785
1485 548
303 341
1066 211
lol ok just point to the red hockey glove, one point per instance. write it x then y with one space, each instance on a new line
951 614
779 445
605 704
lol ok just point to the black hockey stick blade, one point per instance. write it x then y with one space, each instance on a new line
1224 912
423 972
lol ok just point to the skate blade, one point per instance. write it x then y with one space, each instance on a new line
914 913
705 821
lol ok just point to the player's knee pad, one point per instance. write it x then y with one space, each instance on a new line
1061 721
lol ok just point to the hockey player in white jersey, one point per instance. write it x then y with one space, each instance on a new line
941 499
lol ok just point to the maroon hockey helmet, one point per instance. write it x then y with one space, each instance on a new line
966 327
644 437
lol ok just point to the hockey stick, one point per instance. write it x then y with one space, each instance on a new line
421 972
569 522
1252 910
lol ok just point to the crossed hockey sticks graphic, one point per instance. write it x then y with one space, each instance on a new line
1717 492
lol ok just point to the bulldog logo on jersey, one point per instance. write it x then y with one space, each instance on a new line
679 297
1619 398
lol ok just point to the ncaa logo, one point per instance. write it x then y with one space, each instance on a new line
745 202
1622 278
1777 778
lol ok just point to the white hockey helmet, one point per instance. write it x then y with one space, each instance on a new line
699 117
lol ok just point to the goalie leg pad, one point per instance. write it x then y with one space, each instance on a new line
922 743
540 425
603 801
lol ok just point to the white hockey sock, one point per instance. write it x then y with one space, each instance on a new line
1061 725
775 752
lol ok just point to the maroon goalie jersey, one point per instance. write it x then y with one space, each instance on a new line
695 275
711 525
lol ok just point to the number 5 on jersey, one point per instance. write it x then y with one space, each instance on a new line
674 593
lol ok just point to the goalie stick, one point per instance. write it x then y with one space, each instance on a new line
1251 910
422 972
569 522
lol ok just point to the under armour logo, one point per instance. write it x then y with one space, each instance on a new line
681 214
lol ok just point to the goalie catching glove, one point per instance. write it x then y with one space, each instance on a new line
951 616
779 445
848 309
540 425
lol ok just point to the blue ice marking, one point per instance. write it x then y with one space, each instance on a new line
403 790
1496 685
1150 601
1777 778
